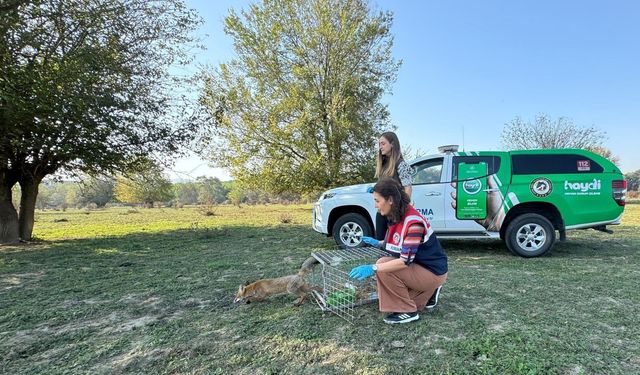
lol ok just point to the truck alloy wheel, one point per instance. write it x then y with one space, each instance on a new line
349 229
530 235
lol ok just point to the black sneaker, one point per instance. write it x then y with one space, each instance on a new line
433 301
397 318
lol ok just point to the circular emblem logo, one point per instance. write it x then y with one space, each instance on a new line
396 237
472 186
541 187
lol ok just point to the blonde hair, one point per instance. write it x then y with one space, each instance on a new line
386 165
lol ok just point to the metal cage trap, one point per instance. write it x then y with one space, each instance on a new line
339 293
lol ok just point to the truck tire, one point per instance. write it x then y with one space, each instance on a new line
349 229
530 235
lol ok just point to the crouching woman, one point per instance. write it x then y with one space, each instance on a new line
410 278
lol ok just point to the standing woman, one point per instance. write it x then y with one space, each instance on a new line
391 164
410 278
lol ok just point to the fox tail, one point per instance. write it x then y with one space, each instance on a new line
307 266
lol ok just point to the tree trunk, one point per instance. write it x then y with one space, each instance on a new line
29 186
8 215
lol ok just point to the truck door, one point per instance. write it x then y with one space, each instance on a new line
429 191
497 180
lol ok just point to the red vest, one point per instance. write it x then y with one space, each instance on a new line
397 232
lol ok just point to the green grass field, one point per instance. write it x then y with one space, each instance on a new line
151 290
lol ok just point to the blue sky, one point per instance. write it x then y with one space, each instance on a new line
476 65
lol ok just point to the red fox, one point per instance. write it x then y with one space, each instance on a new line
293 284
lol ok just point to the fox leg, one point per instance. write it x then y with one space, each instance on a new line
302 292
299 288
308 289
301 296
256 298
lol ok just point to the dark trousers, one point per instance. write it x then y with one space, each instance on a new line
381 226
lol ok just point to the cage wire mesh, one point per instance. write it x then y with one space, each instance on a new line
338 293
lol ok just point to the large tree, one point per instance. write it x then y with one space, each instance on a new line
85 85
299 108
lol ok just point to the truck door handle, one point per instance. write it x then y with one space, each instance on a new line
432 194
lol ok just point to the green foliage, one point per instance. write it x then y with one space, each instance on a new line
546 133
633 180
86 83
146 184
98 190
236 195
211 190
205 190
52 194
86 86
185 192
300 107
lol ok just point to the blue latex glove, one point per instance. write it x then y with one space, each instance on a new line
362 272
370 189
370 241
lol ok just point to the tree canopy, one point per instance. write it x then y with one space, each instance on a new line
544 132
146 184
633 180
86 86
300 107
561 133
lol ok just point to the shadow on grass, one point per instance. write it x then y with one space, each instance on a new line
212 262
224 255
583 244
89 299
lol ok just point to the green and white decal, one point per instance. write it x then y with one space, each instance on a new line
472 191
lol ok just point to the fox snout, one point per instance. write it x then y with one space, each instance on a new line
241 299
241 295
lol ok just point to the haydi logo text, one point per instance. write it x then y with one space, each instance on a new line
582 186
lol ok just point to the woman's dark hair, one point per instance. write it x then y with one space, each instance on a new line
389 188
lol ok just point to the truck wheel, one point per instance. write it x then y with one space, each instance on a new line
349 229
530 235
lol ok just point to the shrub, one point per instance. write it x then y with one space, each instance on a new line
286 218
207 209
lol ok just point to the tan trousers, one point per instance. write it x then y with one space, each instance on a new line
407 290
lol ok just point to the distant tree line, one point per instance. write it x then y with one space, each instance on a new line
98 192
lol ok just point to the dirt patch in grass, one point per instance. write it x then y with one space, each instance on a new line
18 280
